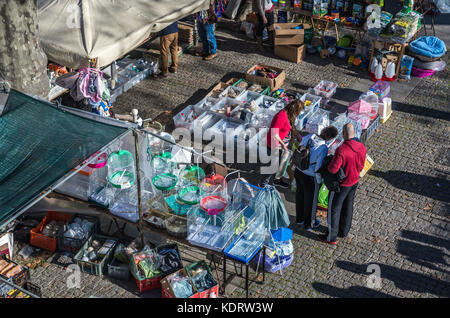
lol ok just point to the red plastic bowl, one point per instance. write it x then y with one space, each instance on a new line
420 72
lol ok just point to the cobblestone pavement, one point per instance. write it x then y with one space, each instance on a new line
401 219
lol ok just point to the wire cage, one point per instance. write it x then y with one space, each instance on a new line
121 169
164 177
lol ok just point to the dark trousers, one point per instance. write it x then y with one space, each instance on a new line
267 178
304 198
270 16
341 212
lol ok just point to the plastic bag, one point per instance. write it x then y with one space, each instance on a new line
322 198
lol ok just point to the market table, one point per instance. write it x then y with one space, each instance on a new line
144 225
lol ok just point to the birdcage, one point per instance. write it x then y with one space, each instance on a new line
163 171
121 169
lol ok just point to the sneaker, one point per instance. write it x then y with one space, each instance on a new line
315 226
171 70
210 57
323 238
280 183
161 74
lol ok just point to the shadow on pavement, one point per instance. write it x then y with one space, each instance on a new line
403 279
432 187
351 292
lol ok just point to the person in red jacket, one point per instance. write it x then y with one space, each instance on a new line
351 156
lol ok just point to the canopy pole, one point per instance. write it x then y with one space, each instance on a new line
138 179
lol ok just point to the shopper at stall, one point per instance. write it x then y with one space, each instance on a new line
278 136
169 43
265 11
351 156
309 180
206 24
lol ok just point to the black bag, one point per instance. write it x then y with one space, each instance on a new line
301 155
331 181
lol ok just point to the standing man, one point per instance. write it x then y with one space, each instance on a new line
169 42
206 23
351 156
265 12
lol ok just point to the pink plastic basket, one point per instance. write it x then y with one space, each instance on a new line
420 72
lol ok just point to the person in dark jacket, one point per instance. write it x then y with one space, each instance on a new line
169 43
351 156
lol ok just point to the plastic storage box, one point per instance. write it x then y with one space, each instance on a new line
314 102
94 268
40 240
71 244
326 90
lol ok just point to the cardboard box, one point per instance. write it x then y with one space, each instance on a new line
285 34
219 87
290 52
273 83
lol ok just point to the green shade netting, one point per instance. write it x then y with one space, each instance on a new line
39 144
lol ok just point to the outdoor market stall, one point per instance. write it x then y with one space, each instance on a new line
125 177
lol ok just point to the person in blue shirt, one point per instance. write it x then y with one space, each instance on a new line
309 180
169 43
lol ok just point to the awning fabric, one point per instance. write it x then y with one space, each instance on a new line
39 144
74 31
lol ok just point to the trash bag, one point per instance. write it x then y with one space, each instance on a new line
322 197
269 202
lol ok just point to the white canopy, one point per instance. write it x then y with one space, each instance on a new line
74 31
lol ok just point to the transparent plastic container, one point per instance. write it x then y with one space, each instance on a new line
185 118
311 102
232 92
318 121
203 122
205 104
226 105
247 96
325 89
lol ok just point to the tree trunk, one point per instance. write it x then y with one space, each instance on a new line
22 62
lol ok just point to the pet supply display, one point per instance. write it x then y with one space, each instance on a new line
406 67
121 169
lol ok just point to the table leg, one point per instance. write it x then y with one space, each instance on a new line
224 274
246 280
264 264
